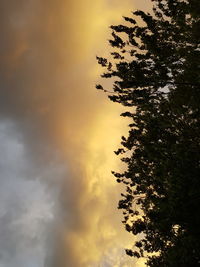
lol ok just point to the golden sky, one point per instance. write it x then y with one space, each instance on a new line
48 73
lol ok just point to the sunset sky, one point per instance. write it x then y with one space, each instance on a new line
58 199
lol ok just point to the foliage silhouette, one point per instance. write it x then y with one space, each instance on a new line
155 73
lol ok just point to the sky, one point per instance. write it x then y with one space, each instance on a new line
58 199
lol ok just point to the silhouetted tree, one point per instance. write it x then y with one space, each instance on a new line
154 67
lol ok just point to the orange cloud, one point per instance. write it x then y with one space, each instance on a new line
50 91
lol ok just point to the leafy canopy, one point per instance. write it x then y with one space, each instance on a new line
155 72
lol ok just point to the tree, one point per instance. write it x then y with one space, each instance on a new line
155 73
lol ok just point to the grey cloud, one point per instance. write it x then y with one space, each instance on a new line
27 206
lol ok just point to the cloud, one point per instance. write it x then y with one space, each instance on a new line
59 136
27 205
